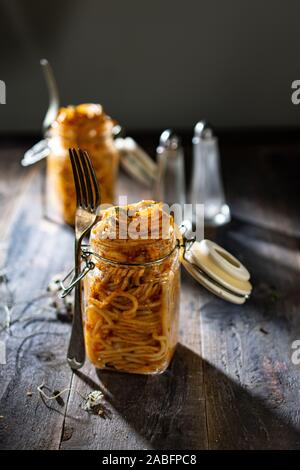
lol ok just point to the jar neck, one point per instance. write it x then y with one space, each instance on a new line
134 252
71 137
96 257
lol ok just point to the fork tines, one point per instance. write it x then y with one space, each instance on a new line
86 183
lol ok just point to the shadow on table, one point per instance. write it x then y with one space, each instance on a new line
271 257
181 410
195 405
263 231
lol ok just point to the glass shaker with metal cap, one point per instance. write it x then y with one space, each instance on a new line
207 186
170 183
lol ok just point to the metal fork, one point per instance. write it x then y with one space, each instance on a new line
88 201
53 95
41 149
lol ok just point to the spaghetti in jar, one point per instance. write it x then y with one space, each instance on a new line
84 126
132 295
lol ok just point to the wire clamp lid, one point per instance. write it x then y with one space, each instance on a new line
208 263
89 265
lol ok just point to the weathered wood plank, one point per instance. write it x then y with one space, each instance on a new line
13 182
251 385
147 412
36 348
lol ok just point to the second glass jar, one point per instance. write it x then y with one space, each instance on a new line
85 126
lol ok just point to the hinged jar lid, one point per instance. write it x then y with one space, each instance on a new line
218 271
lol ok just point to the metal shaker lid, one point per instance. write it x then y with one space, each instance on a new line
202 130
168 141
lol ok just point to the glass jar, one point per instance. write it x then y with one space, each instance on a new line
85 126
131 297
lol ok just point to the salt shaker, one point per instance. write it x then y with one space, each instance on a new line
170 183
207 186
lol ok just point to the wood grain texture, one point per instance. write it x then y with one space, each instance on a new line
148 412
36 347
251 384
231 384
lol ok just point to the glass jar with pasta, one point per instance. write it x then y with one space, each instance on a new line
131 297
84 126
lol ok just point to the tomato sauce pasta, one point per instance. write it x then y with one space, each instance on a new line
132 295
84 126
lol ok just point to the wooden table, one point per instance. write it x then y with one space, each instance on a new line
232 383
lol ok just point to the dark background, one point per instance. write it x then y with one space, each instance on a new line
153 64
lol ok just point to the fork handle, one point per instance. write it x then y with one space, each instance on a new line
76 350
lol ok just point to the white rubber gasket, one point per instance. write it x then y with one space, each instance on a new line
210 284
231 275
225 260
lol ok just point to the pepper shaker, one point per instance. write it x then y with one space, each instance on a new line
207 185
170 182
